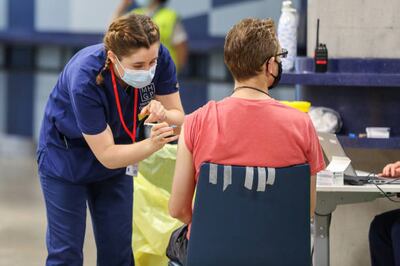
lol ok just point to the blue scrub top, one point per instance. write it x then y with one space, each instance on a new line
78 105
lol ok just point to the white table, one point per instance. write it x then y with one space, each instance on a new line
328 197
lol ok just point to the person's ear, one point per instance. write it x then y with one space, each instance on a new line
270 65
112 57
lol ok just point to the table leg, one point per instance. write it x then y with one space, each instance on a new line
321 239
326 204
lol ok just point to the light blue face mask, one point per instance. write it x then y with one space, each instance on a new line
137 78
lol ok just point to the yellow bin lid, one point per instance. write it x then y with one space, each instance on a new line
299 105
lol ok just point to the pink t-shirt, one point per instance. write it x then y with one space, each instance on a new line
247 132
251 132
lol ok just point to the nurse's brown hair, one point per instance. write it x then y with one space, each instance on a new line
126 34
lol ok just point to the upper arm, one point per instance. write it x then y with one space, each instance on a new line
183 185
86 103
313 195
313 184
315 157
167 81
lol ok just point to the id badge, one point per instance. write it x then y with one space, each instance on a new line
132 170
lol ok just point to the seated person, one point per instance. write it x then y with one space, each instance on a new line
249 128
384 232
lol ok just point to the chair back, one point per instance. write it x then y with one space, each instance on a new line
251 216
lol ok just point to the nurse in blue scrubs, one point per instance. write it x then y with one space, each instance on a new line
89 148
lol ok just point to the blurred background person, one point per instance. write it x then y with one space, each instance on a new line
172 32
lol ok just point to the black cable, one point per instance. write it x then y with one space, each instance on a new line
313 233
252 88
387 195
381 190
395 180
312 255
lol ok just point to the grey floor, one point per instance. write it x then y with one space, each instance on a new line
22 215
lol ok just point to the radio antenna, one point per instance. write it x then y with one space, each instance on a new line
317 33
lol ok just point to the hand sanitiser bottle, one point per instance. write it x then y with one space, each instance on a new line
287 34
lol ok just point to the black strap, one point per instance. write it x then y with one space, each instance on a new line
252 88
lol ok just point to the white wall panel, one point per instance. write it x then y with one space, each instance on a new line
52 15
357 28
91 15
44 83
3 14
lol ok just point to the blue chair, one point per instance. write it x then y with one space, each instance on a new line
251 216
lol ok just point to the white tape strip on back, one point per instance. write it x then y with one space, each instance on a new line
213 174
262 179
227 176
271 176
248 182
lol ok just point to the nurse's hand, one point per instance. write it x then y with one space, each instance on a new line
162 134
156 112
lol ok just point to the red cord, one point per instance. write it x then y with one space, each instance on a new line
132 134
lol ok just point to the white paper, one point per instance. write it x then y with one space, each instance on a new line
338 164
334 173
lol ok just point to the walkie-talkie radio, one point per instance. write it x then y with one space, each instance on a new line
320 54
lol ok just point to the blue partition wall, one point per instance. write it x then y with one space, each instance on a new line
20 78
366 93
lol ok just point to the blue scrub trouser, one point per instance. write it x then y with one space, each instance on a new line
384 239
110 202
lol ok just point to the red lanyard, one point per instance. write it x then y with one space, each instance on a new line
132 134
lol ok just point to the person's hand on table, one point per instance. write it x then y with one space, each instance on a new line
391 170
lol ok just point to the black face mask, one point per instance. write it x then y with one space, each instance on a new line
277 78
